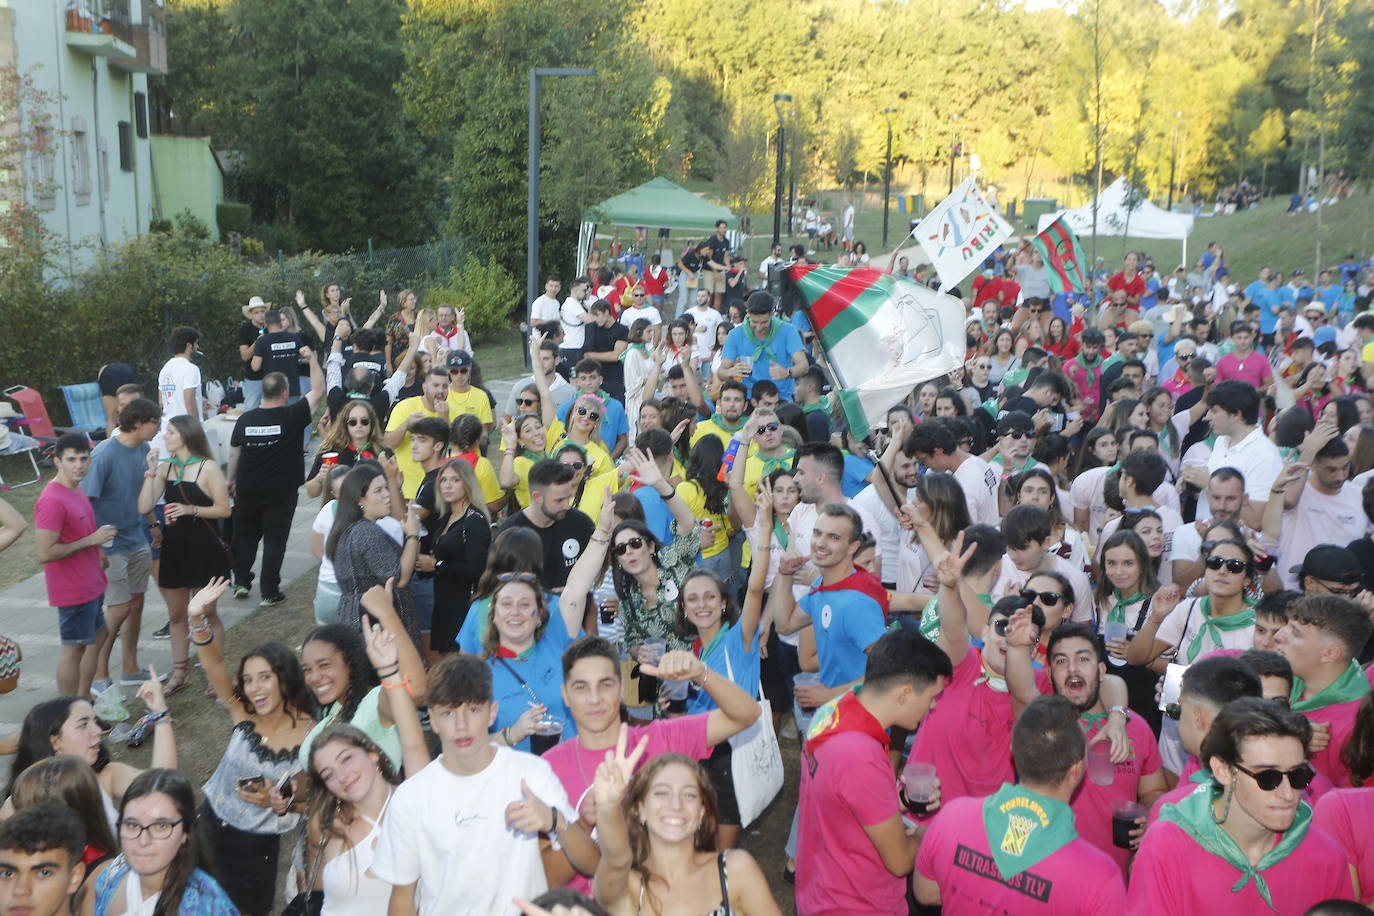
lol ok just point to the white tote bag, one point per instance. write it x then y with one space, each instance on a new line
755 760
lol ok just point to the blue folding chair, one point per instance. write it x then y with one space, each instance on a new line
85 408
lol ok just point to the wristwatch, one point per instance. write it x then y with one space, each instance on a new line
1121 709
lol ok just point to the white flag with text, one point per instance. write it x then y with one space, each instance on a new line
961 232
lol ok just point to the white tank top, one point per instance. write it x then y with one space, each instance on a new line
349 887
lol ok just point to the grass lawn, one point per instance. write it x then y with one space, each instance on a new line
501 355
21 560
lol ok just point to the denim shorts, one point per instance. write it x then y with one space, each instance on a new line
422 594
80 624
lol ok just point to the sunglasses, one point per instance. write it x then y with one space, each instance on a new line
529 578
1182 357
459 371
1232 566
639 295
634 543
1300 777
1344 590
359 421
584 412
1016 434
1049 599
576 465
767 428
527 402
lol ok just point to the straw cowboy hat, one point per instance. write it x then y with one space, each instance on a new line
254 303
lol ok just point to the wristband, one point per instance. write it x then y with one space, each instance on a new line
402 684
395 669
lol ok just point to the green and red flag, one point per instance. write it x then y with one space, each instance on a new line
881 336
1063 257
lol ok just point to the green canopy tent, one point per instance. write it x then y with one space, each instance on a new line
656 204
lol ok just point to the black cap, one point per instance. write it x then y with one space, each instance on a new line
460 359
1330 563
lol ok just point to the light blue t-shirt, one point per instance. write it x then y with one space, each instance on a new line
744 665
846 623
855 478
474 629
112 484
786 343
657 515
542 670
613 423
1269 301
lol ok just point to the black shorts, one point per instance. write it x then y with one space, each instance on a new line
113 375
718 765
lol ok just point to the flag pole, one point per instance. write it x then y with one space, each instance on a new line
893 261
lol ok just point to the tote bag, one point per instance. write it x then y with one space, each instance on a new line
755 761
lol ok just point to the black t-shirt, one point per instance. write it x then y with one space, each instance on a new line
603 340
372 362
270 441
280 352
248 336
564 542
720 249
692 261
426 498
737 292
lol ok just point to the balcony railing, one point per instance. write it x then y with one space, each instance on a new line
108 28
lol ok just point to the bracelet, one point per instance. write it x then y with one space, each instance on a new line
505 736
153 718
553 822
704 675
394 670
403 684
203 642
149 473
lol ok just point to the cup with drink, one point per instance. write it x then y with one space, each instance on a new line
1126 813
918 783
1113 630
1101 770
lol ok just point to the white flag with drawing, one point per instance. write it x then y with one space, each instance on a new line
961 232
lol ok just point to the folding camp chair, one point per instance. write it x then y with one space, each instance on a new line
85 408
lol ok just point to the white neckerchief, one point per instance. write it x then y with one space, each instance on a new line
134 902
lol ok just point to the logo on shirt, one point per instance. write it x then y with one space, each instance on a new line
1025 882
262 430
571 548
670 590
826 614
283 345
1019 829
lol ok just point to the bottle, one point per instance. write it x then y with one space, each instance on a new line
728 461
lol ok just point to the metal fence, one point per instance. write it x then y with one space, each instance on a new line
362 274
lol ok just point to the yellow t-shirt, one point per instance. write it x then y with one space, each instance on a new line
411 472
486 479
597 453
695 498
594 493
522 475
1367 353
756 467
473 401
712 428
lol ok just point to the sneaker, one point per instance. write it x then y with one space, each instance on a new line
789 730
269 600
163 632
100 686
240 592
138 677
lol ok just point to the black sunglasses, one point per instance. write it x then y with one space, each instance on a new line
531 578
1047 598
1232 565
359 421
1016 433
767 428
1300 777
576 465
628 544
584 412
527 402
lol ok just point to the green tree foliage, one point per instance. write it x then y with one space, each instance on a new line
300 95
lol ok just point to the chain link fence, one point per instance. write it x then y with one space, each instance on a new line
363 274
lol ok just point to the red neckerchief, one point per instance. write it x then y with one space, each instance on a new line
363 453
469 457
846 714
697 647
859 581
503 652
447 335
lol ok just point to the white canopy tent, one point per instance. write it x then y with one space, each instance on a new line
1115 218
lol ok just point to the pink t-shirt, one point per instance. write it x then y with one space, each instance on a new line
1092 804
968 734
1076 880
1328 760
1345 816
846 785
575 766
1253 370
1174 875
78 578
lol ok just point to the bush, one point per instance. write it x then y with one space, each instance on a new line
192 226
487 290
233 218
160 225
250 247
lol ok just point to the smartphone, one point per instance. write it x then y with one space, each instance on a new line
253 783
286 785
1173 684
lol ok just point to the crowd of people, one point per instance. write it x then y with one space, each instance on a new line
1080 627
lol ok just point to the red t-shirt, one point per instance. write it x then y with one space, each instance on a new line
1000 289
1253 370
1134 287
77 578
1092 804
654 284
968 734
846 784
1174 876
1075 880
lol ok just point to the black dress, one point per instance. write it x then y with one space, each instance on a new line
460 556
192 552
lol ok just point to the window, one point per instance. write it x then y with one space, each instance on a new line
81 161
104 154
126 146
45 168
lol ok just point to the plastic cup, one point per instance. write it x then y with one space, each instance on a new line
1115 629
918 777
1101 770
549 725
1125 813
806 679
653 650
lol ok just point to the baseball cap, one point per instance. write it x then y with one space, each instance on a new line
460 359
1330 563
1323 335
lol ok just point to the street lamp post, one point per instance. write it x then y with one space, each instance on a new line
778 101
887 175
532 205
1173 161
953 150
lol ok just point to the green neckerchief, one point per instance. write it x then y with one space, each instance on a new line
1092 372
1215 626
780 461
181 465
1112 360
1014 377
1193 815
930 615
1029 463
1118 612
706 649
634 346
812 408
762 352
997 683
780 533
717 419
1089 721
1350 686
1024 828
532 456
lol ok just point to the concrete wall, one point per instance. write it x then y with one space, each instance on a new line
186 177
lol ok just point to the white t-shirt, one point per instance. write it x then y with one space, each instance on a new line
1169 519
177 375
324 521
1319 519
979 481
803 520
1185 622
448 832
1088 492
573 314
707 320
1011 580
545 308
1256 458
630 315
889 530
